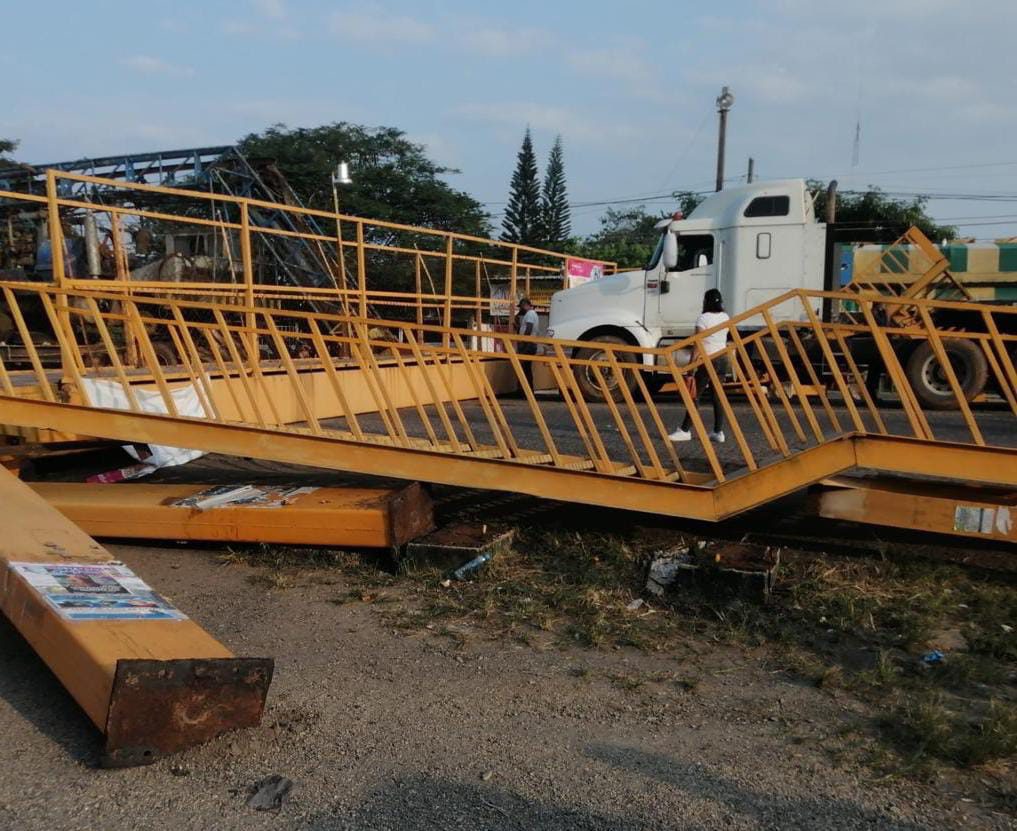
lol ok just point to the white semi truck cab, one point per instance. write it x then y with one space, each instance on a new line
753 243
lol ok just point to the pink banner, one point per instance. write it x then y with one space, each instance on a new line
580 271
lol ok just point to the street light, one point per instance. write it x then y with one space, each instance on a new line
340 176
724 102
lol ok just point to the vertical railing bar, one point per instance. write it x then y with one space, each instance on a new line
5 379
333 378
792 373
444 377
446 318
227 378
623 429
420 297
248 263
1001 350
150 357
200 370
997 372
408 376
361 270
863 390
637 419
531 399
251 339
725 404
241 369
601 458
751 398
756 389
26 339
425 370
492 398
566 394
644 391
291 373
951 376
789 410
482 398
178 344
364 348
831 359
916 418
118 367
697 420
370 381
814 378
67 345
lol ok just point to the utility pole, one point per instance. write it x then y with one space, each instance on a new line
752 170
724 102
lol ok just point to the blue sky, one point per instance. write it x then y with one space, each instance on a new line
629 86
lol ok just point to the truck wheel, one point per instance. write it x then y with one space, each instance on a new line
929 381
587 380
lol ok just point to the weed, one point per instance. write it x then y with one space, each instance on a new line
925 726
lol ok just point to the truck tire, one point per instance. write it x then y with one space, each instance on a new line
929 382
587 381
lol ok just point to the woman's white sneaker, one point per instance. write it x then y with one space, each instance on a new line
681 435
718 437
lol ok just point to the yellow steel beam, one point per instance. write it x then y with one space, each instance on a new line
345 517
886 454
967 512
410 463
152 680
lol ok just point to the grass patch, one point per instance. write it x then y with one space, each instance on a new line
926 726
855 625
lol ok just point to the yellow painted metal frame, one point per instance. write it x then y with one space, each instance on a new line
91 657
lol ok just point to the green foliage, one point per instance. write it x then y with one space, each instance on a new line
688 201
872 216
626 236
522 221
556 219
393 179
7 146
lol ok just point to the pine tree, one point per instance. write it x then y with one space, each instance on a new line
556 219
523 213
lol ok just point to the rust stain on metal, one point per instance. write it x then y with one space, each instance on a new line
162 707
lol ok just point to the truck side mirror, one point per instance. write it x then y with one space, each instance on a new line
670 251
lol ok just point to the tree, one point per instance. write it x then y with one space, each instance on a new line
7 146
872 216
688 201
393 179
556 219
522 215
626 237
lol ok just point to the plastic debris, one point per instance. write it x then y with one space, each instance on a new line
466 569
933 657
268 793
635 604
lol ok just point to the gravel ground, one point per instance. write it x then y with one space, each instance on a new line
384 730
380 729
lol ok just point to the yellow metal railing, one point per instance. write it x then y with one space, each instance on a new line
783 386
372 265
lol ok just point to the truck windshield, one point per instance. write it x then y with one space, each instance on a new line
655 258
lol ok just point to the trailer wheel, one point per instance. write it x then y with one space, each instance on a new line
929 381
587 379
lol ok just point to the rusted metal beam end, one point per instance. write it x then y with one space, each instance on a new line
162 707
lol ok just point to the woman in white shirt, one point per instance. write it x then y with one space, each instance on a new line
713 315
